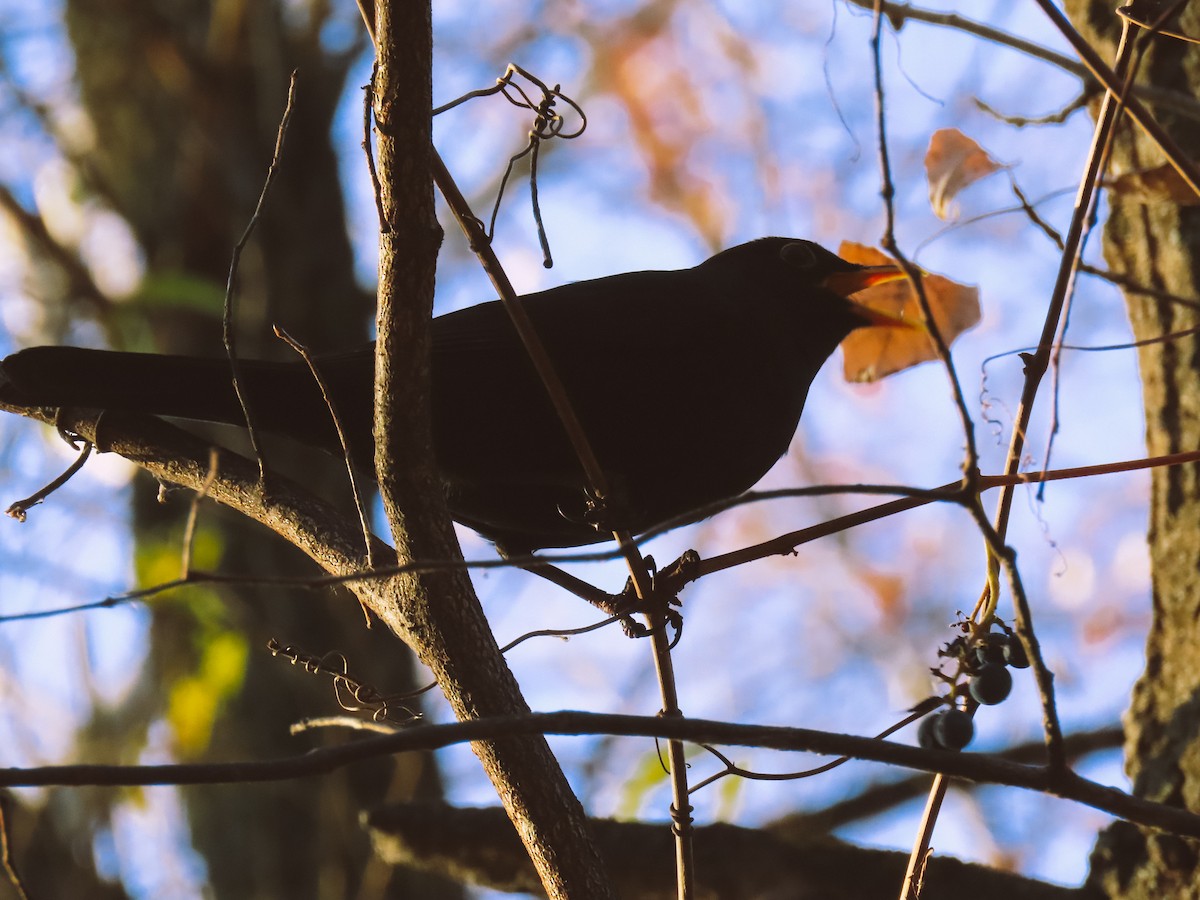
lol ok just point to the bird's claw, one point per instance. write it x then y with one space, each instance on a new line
72 439
660 606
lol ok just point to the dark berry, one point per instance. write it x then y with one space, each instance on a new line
950 729
1014 653
991 684
925 736
953 729
989 651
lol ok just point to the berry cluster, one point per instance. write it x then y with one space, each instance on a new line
988 666
986 660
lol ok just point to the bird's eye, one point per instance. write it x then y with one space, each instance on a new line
798 254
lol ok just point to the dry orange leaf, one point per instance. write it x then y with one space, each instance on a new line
870 354
952 163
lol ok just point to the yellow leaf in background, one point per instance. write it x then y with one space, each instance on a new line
191 712
196 700
952 163
158 560
639 783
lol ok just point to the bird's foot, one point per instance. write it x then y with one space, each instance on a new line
70 437
662 606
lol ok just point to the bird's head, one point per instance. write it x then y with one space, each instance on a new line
784 266
843 279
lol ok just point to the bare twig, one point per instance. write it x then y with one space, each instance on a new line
6 860
876 799
1132 286
1054 118
363 697
976 767
547 124
1111 79
1100 348
360 503
560 633
376 190
1035 368
1130 73
600 490
19 509
1126 12
914 873
732 768
354 723
899 13
227 331
189 528
1032 214
784 544
910 886
1022 207
887 192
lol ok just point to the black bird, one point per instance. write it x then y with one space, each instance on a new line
689 385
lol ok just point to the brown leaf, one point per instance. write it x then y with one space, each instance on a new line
1157 184
870 354
952 163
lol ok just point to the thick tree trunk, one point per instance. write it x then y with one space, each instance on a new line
1157 243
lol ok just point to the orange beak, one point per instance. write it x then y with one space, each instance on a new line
846 284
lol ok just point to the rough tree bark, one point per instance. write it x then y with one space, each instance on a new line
1157 243
438 613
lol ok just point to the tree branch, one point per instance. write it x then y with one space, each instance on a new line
438 612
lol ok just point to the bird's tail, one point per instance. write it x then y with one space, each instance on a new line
283 396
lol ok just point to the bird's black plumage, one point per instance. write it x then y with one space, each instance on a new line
688 383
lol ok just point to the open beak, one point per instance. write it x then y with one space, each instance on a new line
846 284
